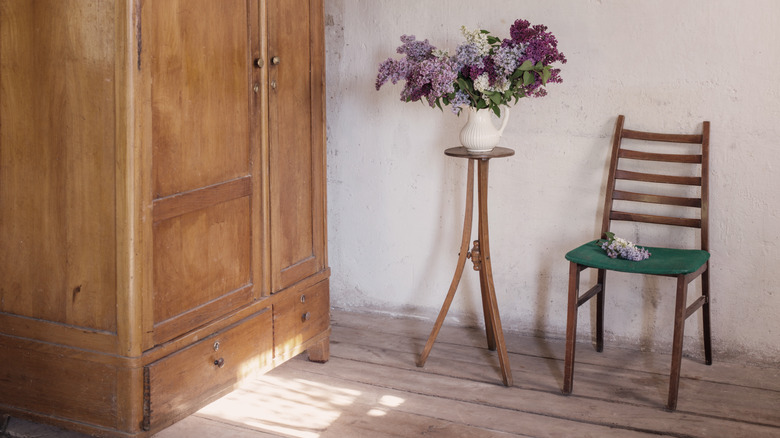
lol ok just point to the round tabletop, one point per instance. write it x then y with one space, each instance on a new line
462 152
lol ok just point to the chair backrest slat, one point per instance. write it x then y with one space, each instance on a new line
656 199
644 186
670 158
652 219
669 138
654 177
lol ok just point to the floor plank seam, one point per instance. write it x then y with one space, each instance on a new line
733 420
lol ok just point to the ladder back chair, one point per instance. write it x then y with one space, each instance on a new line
683 264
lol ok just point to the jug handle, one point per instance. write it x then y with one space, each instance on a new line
505 117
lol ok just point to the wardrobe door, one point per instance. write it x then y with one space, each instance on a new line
296 139
204 116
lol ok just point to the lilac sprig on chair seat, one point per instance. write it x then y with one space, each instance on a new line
617 247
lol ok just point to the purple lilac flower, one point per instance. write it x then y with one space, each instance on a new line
521 31
392 70
507 58
427 76
474 71
431 78
415 50
491 70
466 54
540 46
460 100
543 47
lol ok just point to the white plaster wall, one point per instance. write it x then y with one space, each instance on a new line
396 202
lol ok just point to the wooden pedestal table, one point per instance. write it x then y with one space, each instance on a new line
480 256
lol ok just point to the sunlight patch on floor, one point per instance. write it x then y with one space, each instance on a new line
293 407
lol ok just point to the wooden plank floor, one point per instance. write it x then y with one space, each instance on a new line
372 388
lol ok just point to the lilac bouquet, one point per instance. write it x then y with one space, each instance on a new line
484 72
619 247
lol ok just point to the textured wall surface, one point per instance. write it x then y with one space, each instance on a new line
396 202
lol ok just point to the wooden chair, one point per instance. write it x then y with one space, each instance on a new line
683 264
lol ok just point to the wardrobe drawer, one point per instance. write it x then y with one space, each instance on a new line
182 382
300 316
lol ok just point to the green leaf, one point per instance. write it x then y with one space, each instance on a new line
527 65
464 85
539 65
528 78
496 98
496 111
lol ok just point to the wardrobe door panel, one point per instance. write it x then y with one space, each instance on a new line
202 266
296 140
200 93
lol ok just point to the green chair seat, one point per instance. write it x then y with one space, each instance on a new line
662 261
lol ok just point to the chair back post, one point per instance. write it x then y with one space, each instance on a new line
616 140
705 186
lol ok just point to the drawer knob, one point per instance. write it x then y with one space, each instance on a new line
303 298
306 316
216 346
219 362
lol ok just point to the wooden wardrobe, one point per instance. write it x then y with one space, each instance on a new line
162 204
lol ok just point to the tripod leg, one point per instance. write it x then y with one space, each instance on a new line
464 248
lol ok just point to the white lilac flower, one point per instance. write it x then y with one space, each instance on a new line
482 83
476 37
441 54
622 248
501 86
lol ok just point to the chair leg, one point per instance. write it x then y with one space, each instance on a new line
571 327
679 330
705 290
600 298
